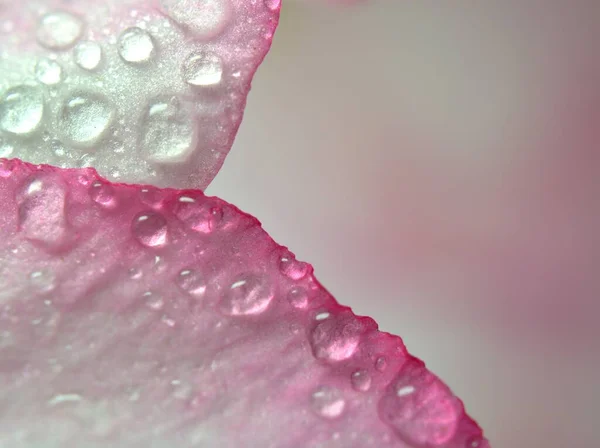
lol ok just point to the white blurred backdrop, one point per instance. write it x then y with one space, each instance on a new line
439 164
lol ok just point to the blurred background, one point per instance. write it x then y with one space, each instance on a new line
439 164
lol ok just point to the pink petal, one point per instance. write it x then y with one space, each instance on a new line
145 91
133 316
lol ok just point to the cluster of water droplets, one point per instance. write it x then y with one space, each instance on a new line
145 96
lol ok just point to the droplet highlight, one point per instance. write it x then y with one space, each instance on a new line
328 402
203 69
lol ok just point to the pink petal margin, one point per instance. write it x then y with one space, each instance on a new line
133 316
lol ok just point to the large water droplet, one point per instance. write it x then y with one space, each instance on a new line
248 294
420 408
150 229
136 46
328 402
361 380
59 30
205 18
336 338
42 214
48 72
192 282
85 117
88 55
169 133
21 109
202 69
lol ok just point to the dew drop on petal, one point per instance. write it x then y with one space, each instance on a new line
381 363
248 294
191 282
202 69
21 109
48 72
43 281
136 45
420 408
85 117
360 380
204 18
289 266
102 193
298 297
335 338
88 55
59 30
169 133
150 229
327 402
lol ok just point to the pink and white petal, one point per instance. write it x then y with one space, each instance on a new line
134 316
145 91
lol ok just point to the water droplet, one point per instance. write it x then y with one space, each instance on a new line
21 109
150 229
298 297
42 210
88 55
248 294
135 273
206 19
48 72
273 5
169 133
136 45
336 338
478 442
202 69
381 364
153 301
328 402
64 398
202 217
44 281
85 117
59 30
103 194
192 282
289 266
420 408
361 380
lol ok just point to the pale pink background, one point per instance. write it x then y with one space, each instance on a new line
439 164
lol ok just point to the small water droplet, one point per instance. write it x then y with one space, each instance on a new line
85 117
202 217
336 338
136 45
420 408
135 273
361 380
88 55
103 194
192 282
289 266
21 109
298 297
328 402
48 72
381 364
150 229
59 30
206 20
273 5
248 294
202 69
44 281
169 132
153 301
